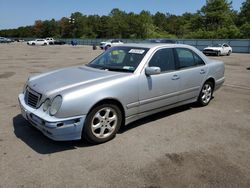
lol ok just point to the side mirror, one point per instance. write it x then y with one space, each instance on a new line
152 70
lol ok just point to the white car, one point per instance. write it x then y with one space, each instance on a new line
41 42
218 49
5 40
50 40
110 43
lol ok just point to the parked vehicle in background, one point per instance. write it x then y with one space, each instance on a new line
122 85
166 41
19 40
50 40
218 49
110 43
40 42
5 40
59 42
73 42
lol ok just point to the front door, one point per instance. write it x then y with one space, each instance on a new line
159 90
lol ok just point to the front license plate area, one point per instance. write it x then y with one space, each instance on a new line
36 119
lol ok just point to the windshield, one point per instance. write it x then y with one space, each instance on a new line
121 59
216 45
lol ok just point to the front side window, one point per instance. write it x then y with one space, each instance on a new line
163 58
121 59
216 45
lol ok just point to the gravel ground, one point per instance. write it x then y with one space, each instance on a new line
183 147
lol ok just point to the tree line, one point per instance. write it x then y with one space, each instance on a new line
216 19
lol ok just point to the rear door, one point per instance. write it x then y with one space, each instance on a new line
159 90
192 72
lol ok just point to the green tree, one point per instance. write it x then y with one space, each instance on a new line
216 14
244 15
245 30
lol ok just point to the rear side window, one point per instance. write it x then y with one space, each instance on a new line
198 60
163 58
188 58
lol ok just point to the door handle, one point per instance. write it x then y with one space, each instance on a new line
202 71
175 77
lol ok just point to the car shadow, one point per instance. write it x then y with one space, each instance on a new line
40 143
157 116
43 145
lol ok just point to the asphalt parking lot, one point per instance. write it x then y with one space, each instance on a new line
183 147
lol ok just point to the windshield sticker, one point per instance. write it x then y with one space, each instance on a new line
136 51
128 68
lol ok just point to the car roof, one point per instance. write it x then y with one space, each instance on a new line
153 45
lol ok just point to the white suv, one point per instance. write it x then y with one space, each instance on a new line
110 43
50 40
218 49
40 42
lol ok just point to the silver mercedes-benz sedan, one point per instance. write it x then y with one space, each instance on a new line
123 84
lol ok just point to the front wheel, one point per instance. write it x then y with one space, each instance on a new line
206 94
218 53
102 123
229 53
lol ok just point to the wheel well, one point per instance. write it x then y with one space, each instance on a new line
111 101
212 81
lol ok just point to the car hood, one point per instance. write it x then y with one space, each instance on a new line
58 81
104 42
213 48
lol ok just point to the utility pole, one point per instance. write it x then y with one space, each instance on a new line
72 24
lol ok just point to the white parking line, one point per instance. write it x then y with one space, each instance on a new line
236 86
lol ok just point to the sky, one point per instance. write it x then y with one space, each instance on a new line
16 13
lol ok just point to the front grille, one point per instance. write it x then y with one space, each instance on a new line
208 50
32 98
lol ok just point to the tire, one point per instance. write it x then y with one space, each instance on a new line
45 44
102 123
229 53
206 94
33 44
107 47
218 53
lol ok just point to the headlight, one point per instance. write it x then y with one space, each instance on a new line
55 105
25 85
46 105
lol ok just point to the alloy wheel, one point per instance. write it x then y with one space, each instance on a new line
104 122
206 93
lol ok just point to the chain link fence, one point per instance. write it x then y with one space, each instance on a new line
238 45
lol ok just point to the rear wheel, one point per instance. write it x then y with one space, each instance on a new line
107 47
218 53
206 94
102 123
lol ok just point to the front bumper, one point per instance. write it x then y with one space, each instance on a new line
102 46
59 129
210 52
